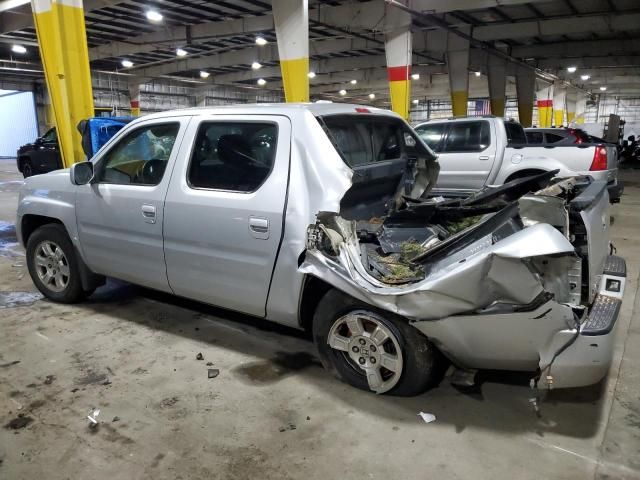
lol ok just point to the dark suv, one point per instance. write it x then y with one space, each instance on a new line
41 156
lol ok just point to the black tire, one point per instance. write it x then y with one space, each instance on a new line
57 234
422 362
27 168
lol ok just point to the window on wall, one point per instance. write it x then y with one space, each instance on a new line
141 157
234 156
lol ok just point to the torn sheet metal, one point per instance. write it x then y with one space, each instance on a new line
485 274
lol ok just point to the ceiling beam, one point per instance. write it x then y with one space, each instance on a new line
578 48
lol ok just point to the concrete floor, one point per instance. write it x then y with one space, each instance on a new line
273 412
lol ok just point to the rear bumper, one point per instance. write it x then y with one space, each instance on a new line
615 191
586 361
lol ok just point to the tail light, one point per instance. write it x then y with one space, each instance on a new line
599 159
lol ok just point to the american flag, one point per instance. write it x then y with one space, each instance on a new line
483 107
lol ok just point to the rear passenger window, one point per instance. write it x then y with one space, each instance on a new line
467 137
553 138
235 156
432 135
535 137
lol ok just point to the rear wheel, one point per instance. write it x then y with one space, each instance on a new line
53 266
372 349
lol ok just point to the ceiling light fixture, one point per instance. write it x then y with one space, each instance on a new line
154 16
372 96
603 89
18 49
416 101
261 41
353 82
256 65
127 63
415 76
311 74
342 92
584 78
204 74
571 69
262 81
181 52
478 74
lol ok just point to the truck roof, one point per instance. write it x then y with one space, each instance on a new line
276 108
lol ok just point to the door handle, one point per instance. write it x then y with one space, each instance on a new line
483 157
149 213
259 227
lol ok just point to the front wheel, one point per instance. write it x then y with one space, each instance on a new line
27 169
372 349
53 266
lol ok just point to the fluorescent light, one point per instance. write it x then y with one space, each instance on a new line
18 49
415 76
353 82
204 74
342 92
180 52
256 65
603 88
415 101
478 74
154 16
261 41
262 81
372 96
584 78
311 74
571 69
127 63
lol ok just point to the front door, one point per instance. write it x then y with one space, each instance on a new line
466 155
224 210
120 214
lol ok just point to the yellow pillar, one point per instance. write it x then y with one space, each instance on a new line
458 66
291 18
63 49
134 99
398 50
545 106
559 101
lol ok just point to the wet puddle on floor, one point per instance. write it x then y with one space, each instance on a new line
11 186
274 369
18 299
9 246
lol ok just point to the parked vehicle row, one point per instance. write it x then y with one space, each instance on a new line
320 217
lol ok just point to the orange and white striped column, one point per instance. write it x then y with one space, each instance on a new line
458 67
525 91
62 40
291 18
398 48
544 98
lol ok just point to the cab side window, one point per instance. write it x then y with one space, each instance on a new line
467 137
432 135
141 157
233 156
51 136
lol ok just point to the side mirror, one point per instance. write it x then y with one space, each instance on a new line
81 173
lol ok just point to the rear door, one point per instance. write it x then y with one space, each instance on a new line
466 156
224 212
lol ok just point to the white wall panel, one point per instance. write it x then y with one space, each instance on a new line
18 123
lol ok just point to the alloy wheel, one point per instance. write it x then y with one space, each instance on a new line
52 266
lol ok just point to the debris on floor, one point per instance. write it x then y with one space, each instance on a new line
209 364
19 422
93 418
290 426
427 417
49 379
116 419
213 372
199 356
10 364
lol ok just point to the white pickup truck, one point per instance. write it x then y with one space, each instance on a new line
477 151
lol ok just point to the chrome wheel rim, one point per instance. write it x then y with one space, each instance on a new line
369 347
52 266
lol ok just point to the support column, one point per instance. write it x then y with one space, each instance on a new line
291 18
581 108
571 100
63 49
559 100
398 49
544 97
134 99
458 66
497 76
525 91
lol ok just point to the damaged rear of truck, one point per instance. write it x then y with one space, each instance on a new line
517 277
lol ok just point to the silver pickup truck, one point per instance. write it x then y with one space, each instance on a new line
318 216
477 151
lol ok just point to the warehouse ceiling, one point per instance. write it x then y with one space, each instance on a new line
601 38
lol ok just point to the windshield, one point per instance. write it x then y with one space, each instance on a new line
367 139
